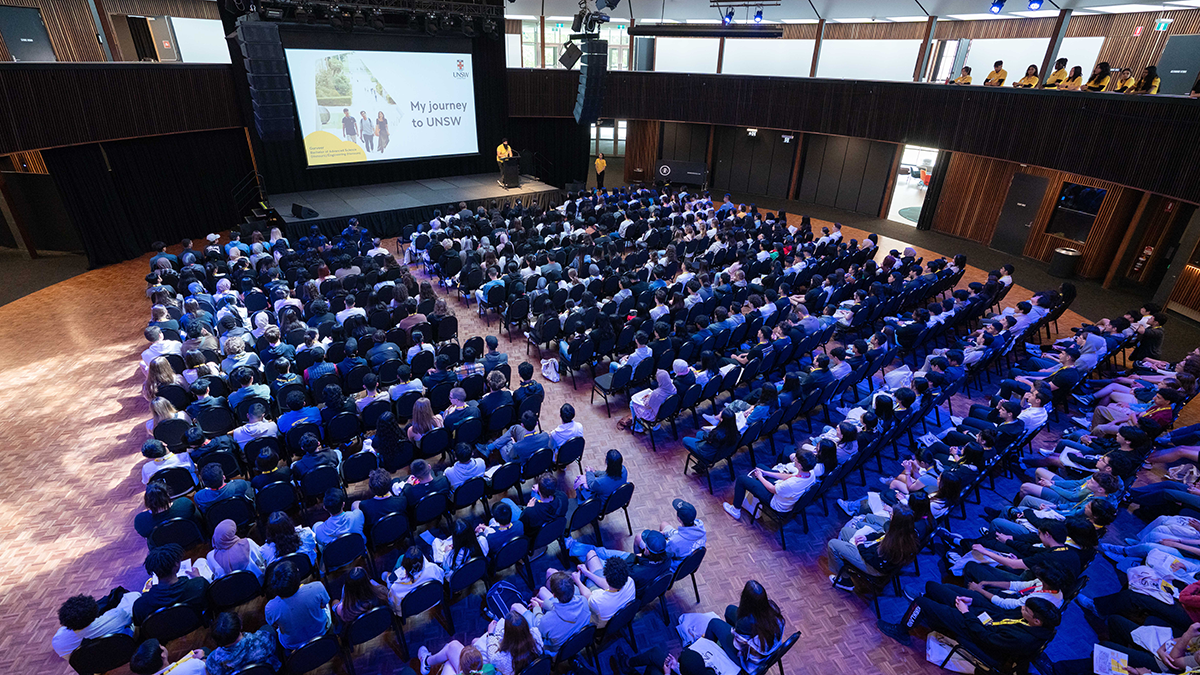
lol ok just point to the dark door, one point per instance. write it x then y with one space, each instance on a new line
24 34
1025 195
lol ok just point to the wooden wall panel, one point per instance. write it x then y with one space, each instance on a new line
641 150
874 31
1121 49
69 23
974 192
985 122
1187 288
28 162
995 28
512 26
186 9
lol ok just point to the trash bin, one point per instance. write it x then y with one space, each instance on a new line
1063 262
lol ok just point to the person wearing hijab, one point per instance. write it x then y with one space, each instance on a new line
645 408
232 553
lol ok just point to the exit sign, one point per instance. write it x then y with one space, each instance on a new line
1162 25
1137 32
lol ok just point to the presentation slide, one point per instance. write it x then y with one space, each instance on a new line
364 106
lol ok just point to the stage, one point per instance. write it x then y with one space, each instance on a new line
387 207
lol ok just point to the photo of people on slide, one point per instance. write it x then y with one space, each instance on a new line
353 105
372 106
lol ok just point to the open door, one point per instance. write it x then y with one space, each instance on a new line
1025 195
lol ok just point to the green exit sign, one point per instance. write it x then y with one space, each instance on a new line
1162 25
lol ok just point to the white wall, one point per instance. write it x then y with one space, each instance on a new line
687 55
200 40
1018 53
512 50
758 56
892 60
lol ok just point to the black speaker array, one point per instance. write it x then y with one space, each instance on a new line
267 73
593 71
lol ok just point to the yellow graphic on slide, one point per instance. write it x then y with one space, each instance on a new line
325 148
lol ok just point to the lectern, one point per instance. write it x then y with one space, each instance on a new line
510 172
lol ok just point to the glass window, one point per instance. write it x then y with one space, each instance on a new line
915 156
1075 211
529 43
945 63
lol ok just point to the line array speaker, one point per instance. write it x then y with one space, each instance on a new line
593 71
267 74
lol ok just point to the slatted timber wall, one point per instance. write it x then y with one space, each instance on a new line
73 35
1187 288
28 162
512 26
1121 49
973 195
641 150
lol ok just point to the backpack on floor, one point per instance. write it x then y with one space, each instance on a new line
501 597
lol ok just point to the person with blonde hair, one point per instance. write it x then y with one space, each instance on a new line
159 373
161 409
424 420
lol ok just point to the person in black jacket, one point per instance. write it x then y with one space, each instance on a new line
545 504
1005 640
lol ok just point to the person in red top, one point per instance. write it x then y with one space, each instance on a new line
1107 420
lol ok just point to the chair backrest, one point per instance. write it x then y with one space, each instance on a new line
467 575
273 497
777 655
342 428
316 482
656 588
571 451
343 551
586 513
425 596
619 499
541 666
178 479
690 563
312 655
505 477
469 492
229 463
550 533
358 467
171 432
171 622
404 404
182 531
513 551
669 407
238 508
234 589
435 442
538 464
621 620
216 421
389 529
368 625
572 646
102 654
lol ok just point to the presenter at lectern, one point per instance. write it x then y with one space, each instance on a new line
503 152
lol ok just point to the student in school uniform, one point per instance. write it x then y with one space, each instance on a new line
1101 76
1056 78
1031 79
997 76
1148 83
964 78
1074 81
1124 83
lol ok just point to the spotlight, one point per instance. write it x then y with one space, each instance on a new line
729 17
468 28
335 17
431 24
758 16
602 5
997 5
1035 5
375 19
489 27
578 21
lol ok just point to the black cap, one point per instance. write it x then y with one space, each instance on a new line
685 511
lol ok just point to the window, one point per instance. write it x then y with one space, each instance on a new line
529 43
1075 212
608 136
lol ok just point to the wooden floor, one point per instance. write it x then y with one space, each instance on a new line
73 422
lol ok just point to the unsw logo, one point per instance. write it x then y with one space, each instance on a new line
462 73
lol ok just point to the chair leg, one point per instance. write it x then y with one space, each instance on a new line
662 602
696 589
627 521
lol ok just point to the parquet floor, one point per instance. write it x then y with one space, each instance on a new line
71 422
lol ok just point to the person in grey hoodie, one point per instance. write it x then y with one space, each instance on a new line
688 536
557 611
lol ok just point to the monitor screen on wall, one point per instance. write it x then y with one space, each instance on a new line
356 106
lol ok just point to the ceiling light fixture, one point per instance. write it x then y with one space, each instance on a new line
997 5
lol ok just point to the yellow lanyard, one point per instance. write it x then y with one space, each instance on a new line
177 664
1007 622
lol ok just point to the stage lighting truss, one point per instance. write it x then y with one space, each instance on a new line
469 17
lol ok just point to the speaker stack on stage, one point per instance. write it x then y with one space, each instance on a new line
270 86
593 70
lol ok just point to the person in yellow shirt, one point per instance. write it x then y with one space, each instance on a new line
1030 80
1148 84
601 165
503 151
963 79
997 77
1124 83
1058 76
1101 76
1074 80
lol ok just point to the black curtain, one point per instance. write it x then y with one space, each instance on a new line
560 146
143 39
934 193
156 188
90 197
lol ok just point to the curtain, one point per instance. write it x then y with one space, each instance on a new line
143 39
127 194
91 200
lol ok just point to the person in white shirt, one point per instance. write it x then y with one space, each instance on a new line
378 249
340 521
350 310
837 363
159 458
568 429
782 494
81 619
152 658
159 346
466 466
256 426
1034 415
611 592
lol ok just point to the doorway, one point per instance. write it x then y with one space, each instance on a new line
917 165
1025 194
